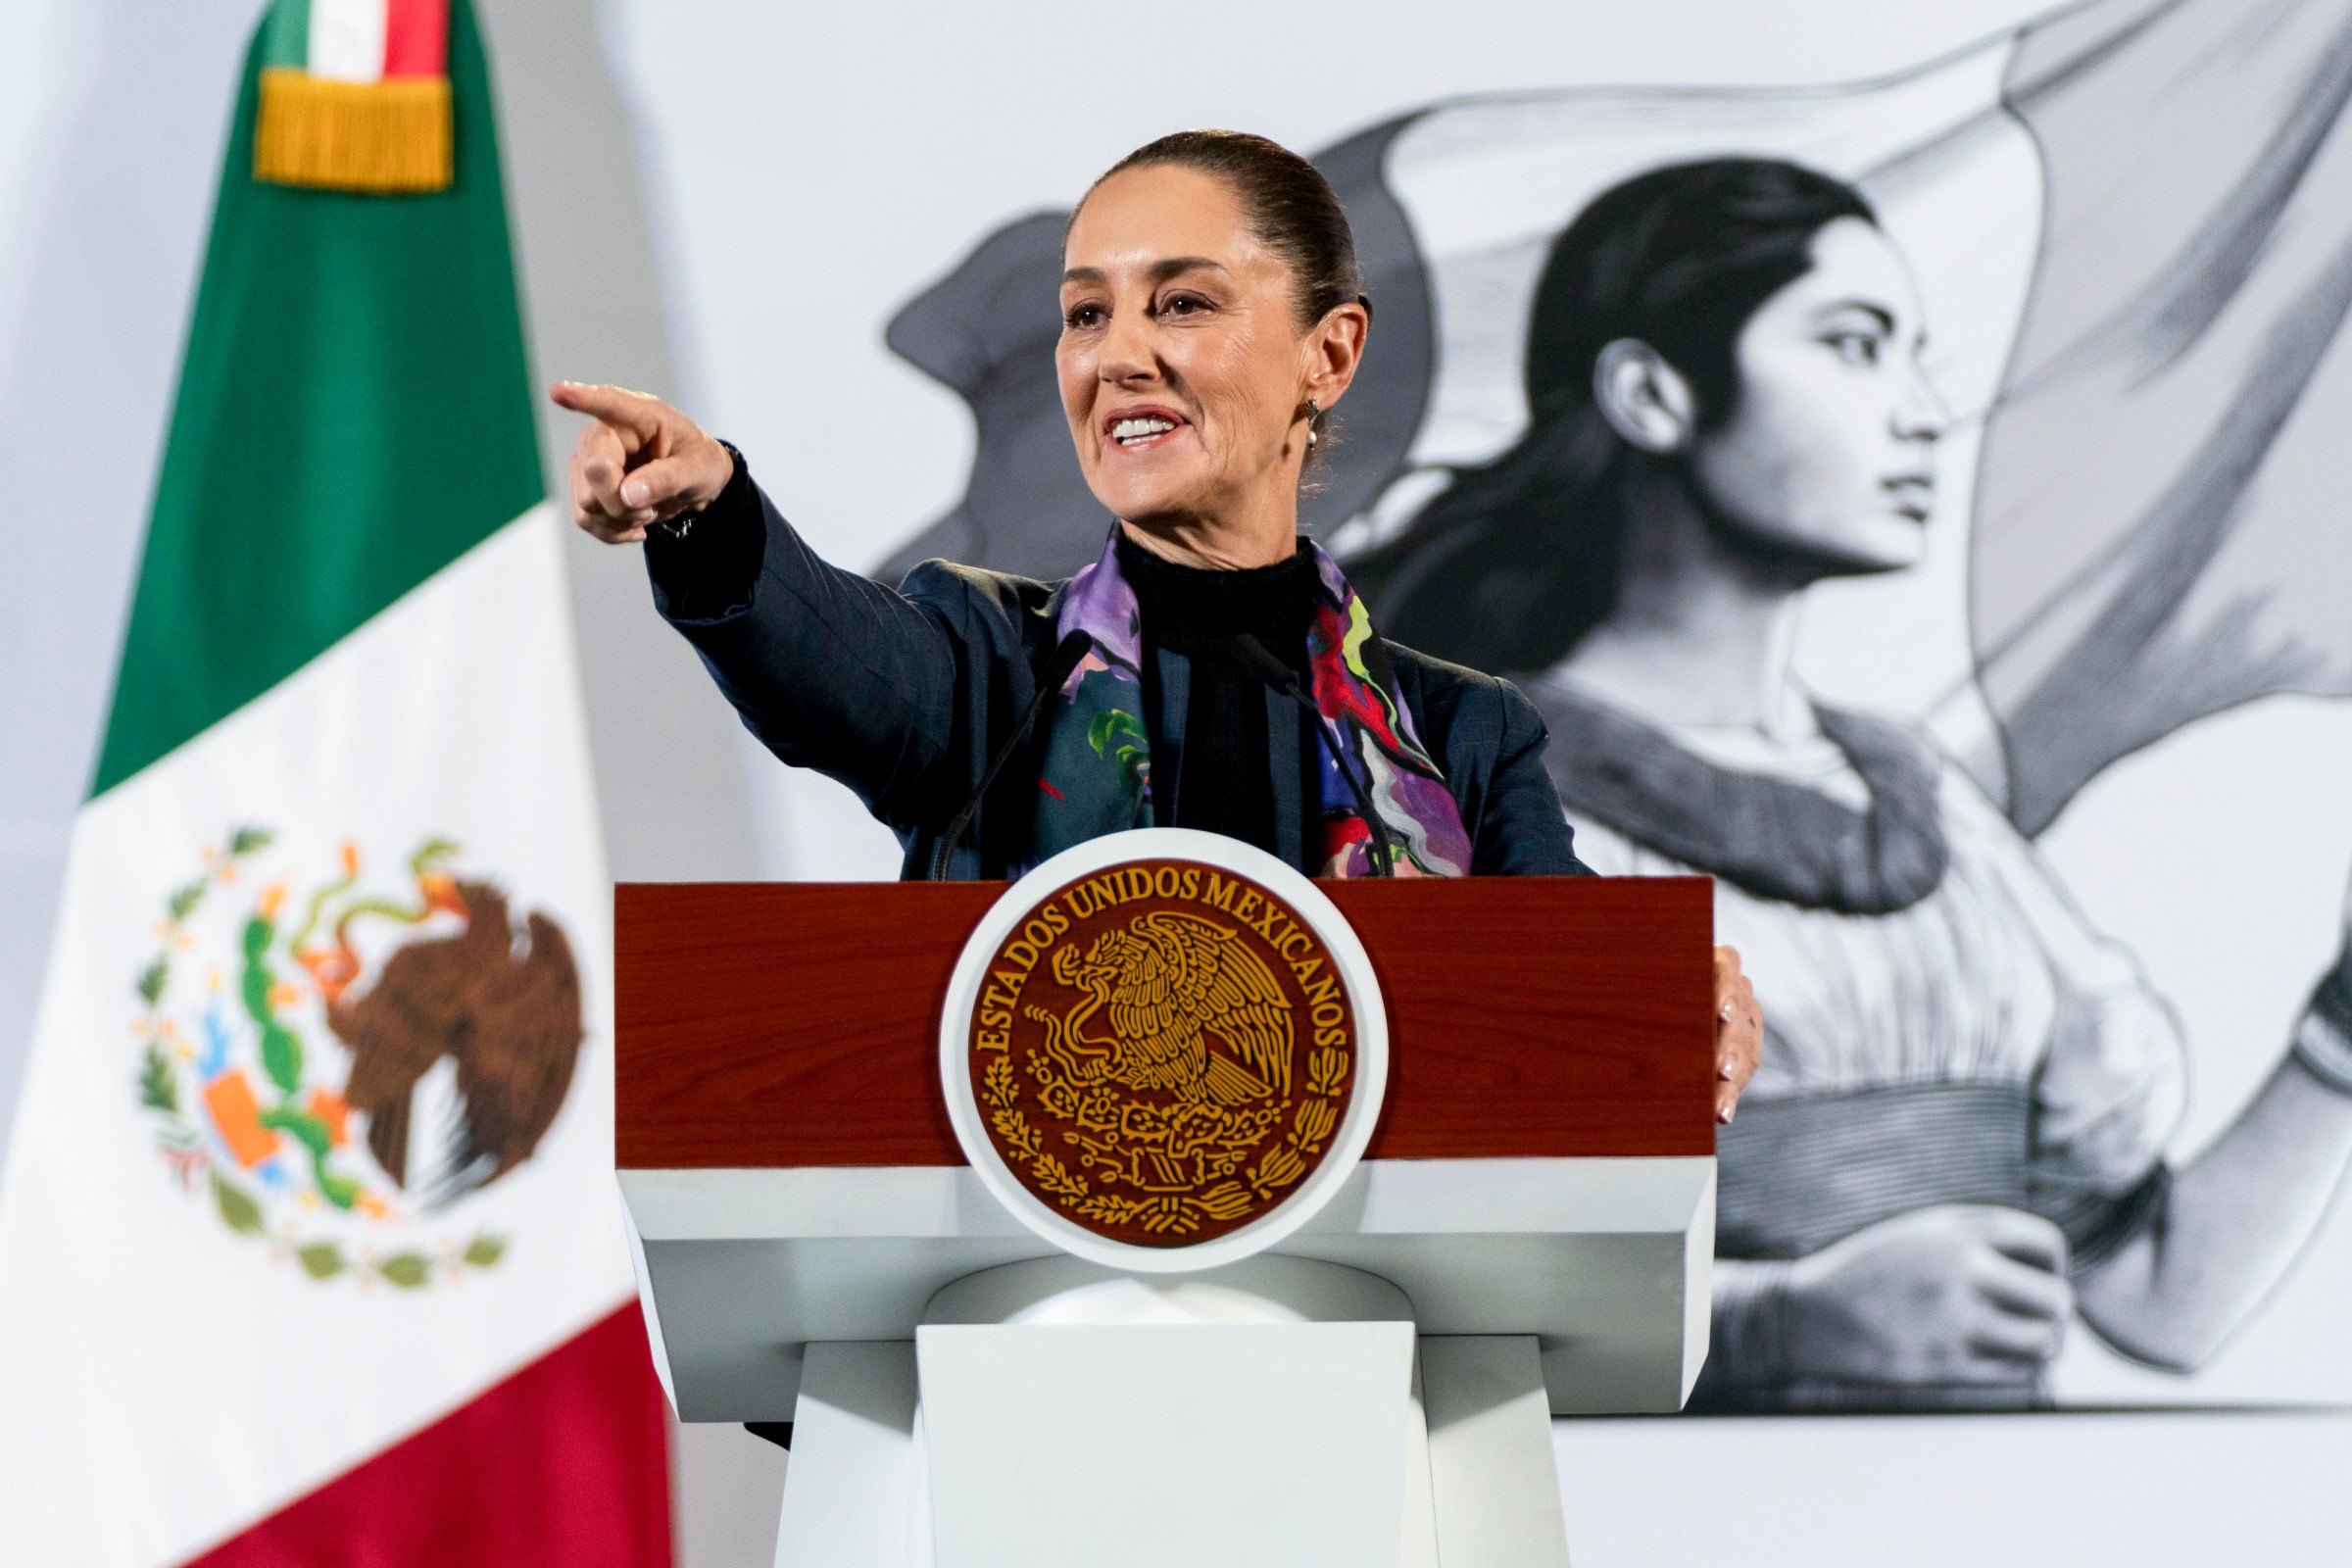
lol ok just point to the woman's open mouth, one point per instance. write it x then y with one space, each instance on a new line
1140 429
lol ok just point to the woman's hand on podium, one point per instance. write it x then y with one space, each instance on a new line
639 462
1739 1032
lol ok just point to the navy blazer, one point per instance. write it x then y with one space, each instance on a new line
904 695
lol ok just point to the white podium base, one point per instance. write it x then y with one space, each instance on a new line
1257 1445
1271 1413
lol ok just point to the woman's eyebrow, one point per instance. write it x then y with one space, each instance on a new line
1176 265
1877 313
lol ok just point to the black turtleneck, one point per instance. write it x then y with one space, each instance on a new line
1221 782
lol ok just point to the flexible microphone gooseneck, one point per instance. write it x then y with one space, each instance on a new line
1282 679
1064 658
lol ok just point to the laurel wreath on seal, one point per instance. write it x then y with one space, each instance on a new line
1108 1129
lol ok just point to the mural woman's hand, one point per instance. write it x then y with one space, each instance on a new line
1956 1295
1739 1032
639 462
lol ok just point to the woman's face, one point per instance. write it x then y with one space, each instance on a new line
1830 452
1184 372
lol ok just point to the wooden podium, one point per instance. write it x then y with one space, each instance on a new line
1537 1198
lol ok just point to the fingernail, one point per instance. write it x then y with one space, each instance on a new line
634 493
1724 1115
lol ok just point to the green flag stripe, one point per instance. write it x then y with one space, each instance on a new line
286 35
354 413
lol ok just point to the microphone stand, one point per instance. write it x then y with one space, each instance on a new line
1065 657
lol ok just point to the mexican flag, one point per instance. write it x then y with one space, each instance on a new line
309 1244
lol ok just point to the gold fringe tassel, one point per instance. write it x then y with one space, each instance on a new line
381 137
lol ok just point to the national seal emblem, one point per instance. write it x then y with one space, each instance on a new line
1161 1051
337 1064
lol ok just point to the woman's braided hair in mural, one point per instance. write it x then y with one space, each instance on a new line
1293 211
1509 567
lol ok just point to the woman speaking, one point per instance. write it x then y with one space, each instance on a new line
1211 669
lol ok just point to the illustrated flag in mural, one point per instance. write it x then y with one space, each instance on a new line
308 1234
2156 537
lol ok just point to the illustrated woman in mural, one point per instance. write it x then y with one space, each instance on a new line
1955 1144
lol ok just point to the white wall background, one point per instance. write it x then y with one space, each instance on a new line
724 203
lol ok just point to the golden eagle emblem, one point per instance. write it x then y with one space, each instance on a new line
1171 983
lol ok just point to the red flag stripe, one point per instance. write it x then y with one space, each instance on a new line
416 39
568 1461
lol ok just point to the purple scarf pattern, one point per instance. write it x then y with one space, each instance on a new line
1098 755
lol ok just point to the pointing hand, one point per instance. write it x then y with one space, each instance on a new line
638 461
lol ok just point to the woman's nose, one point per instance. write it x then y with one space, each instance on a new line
1127 353
1920 412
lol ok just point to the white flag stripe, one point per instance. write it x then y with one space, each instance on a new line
347 39
207 1371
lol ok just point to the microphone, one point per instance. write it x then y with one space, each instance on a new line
1065 657
1282 679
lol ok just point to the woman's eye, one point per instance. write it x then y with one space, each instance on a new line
1183 305
1856 348
1080 316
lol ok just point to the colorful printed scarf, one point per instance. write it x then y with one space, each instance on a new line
1097 775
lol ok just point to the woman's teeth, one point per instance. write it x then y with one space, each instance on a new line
1128 432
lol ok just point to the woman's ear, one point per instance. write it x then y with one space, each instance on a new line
1645 399
1335 348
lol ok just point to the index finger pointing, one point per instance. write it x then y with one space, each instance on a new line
632 412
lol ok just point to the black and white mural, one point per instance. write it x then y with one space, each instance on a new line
2038 347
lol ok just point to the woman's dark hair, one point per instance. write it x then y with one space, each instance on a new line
1293 211
1514 563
